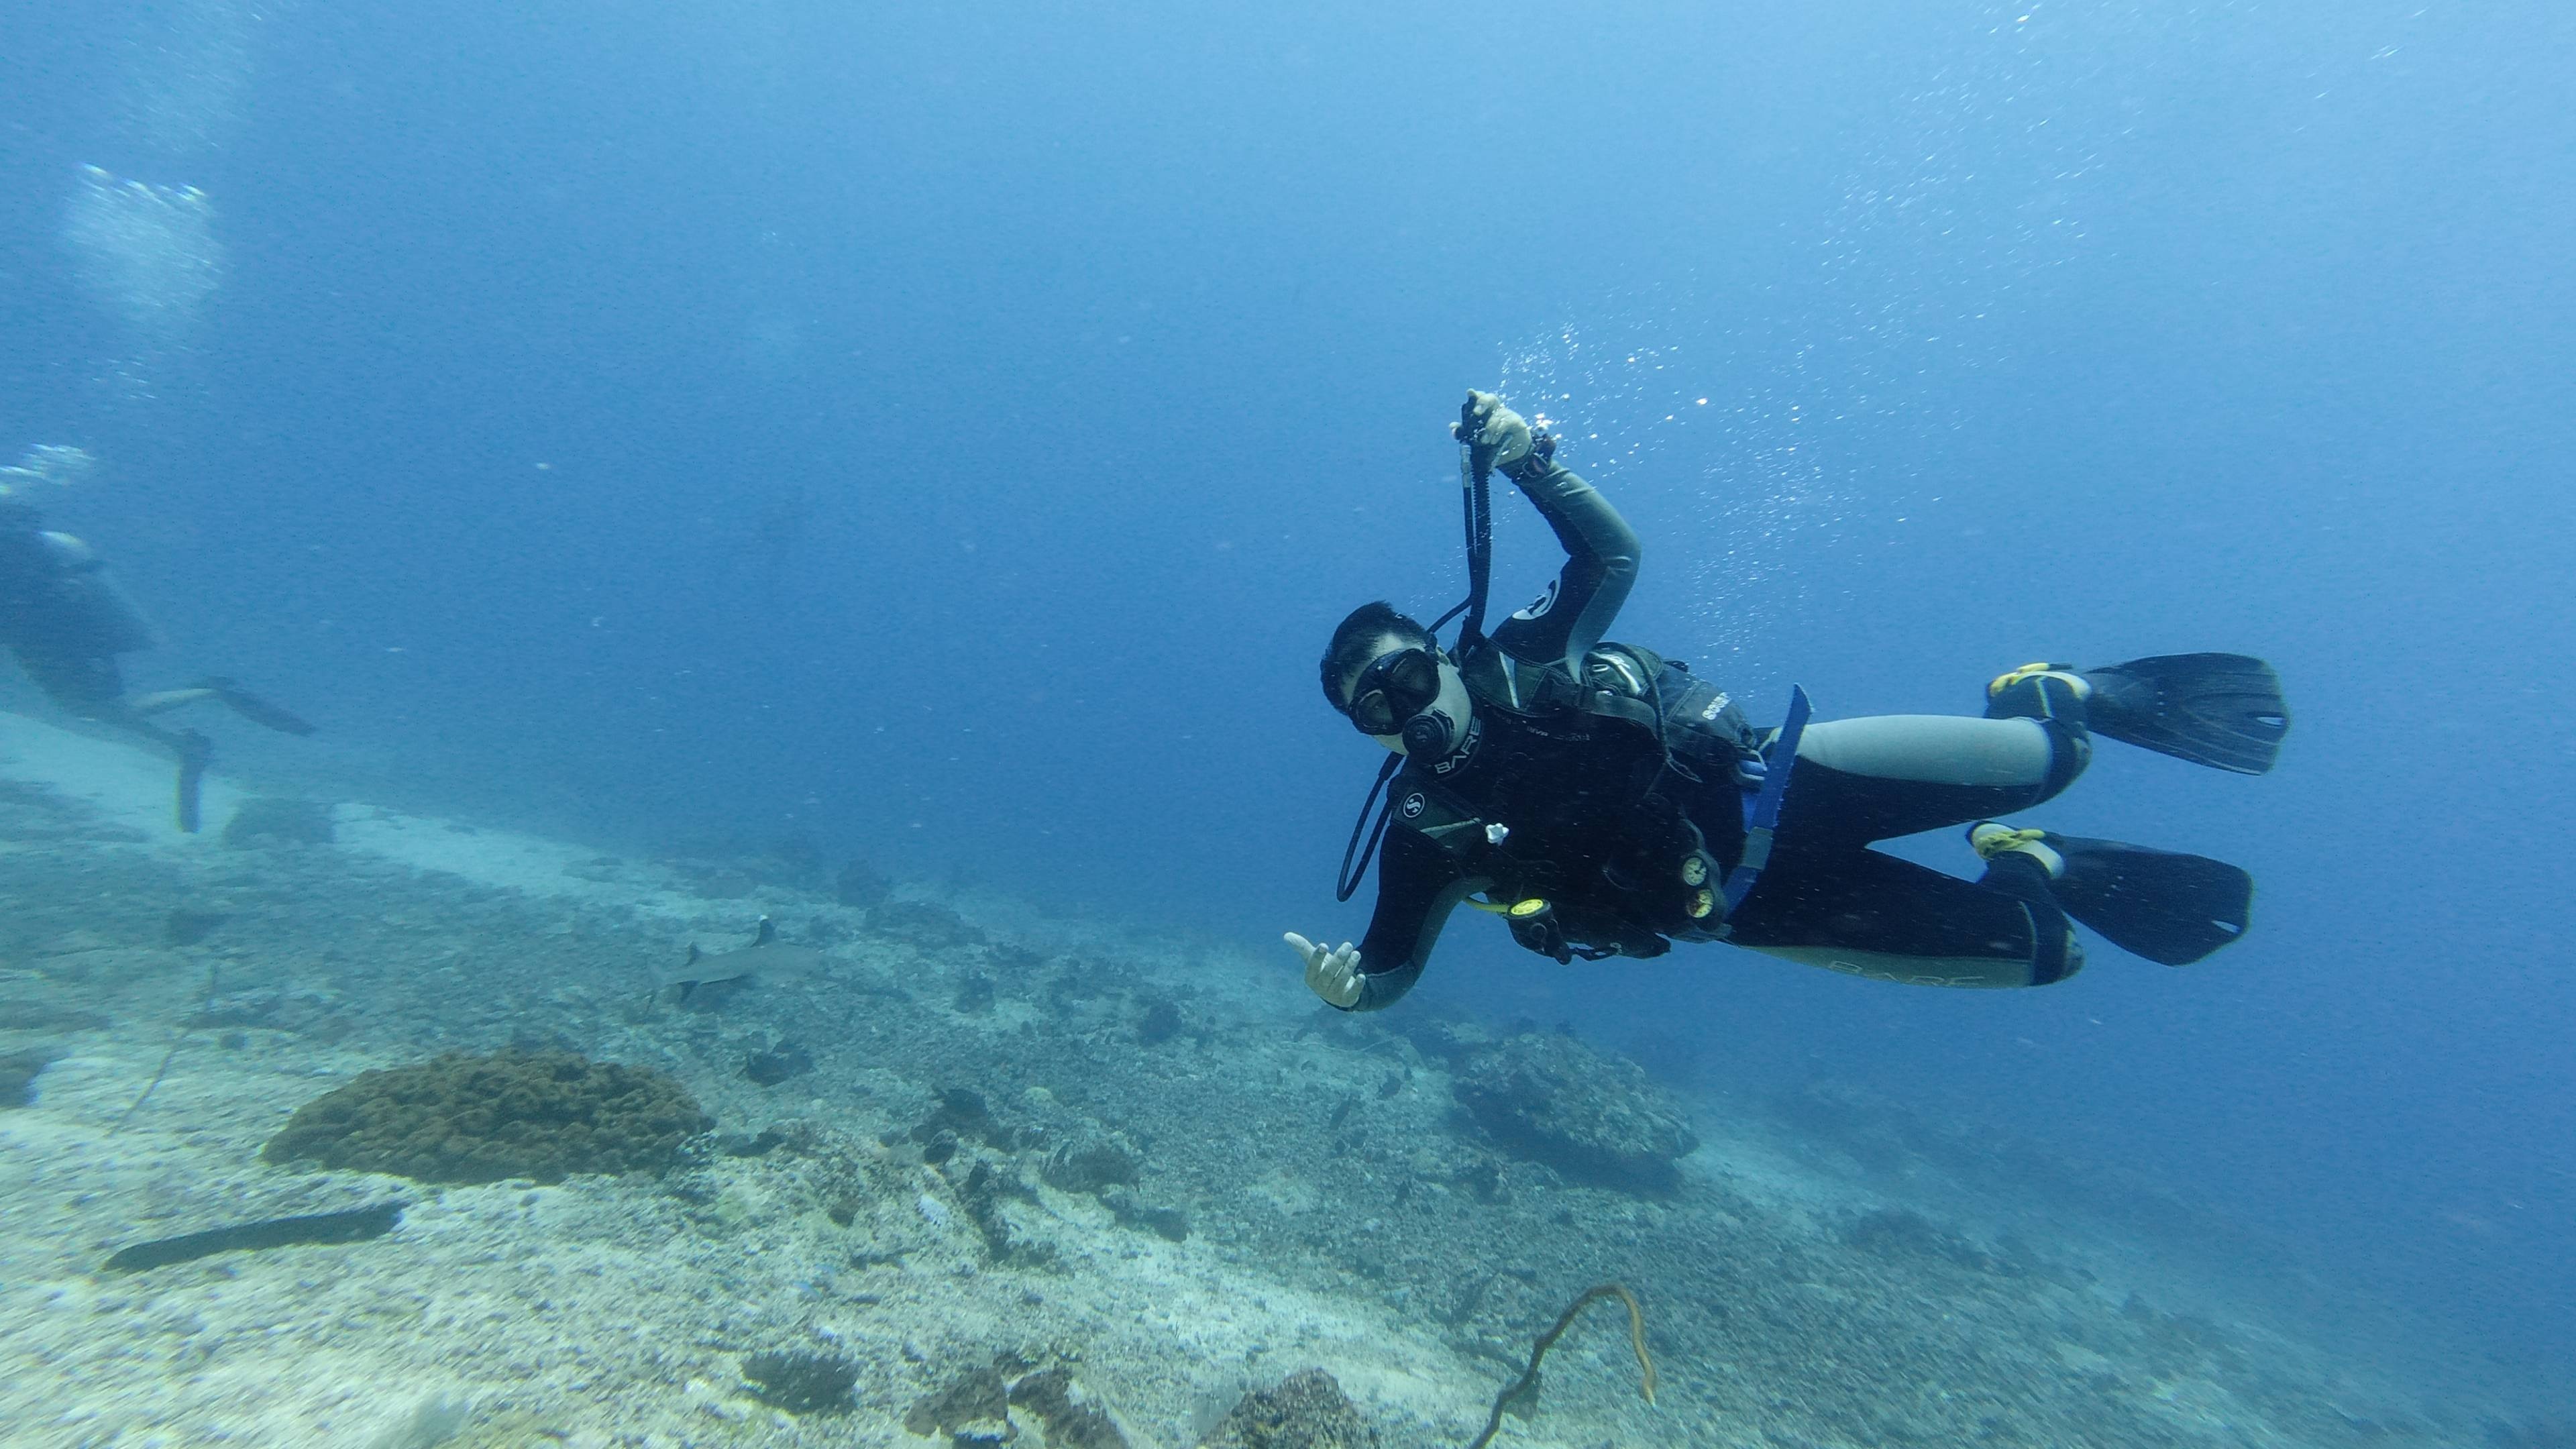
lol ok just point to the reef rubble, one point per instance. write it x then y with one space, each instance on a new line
1131 1179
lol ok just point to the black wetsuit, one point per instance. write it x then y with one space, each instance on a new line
1594 814
62 617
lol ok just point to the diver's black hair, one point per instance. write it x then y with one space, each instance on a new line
1355 643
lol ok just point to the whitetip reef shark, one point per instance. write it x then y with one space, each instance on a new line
763 958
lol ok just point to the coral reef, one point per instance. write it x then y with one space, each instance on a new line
1168 1223
983 1190
802 1383
782 1061
1306 1411
859 885
18 1071
1161 1023
751 1144
1597 1119
1090 1163
962 1113
1074 1419
464 1119
976 1407
1344 1208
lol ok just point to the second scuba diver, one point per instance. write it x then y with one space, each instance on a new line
66 621
1606 801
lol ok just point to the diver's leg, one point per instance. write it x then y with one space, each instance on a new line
228 693
194 751
253 708
162 701
1874 915
1884 776
92 687
191 748
233 697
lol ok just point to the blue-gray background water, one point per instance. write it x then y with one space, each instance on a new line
948 434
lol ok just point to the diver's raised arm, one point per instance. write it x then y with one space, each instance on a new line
1601 550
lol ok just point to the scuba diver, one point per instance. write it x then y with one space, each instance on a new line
66 621
1606 801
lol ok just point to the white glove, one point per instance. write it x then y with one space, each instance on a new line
1331 973
1487 423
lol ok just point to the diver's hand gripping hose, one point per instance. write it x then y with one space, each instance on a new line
1499 436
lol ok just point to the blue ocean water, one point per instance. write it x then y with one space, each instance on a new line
949 433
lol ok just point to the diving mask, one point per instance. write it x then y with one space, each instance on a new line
1394 688
1409 696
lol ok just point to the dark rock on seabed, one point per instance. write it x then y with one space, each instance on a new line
467 1118
18 1072
1551 1099
785 1060
1306 1411
802 1383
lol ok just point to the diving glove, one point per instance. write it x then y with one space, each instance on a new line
1488 426
1331 973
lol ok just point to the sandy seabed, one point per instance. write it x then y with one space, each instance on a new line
1306 1191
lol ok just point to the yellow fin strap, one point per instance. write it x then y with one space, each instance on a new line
2009 678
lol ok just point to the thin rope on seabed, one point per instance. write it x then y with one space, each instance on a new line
1547 1340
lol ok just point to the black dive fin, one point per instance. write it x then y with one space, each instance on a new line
2220 710
255 709
2169 907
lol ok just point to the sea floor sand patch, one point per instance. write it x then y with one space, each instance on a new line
892 1205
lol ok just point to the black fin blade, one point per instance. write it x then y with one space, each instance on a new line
2220 710
2167 906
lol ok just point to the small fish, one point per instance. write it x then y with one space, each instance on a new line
762 958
